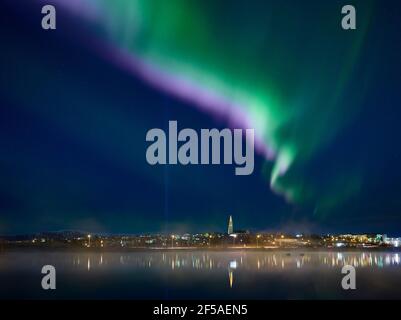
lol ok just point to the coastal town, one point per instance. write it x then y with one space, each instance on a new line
232 239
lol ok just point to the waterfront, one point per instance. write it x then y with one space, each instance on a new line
200 274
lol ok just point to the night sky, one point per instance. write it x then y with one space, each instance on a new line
76 103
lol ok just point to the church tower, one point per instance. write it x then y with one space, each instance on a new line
230 225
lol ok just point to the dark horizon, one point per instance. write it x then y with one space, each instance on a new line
181 232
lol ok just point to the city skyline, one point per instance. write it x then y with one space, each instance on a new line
244 234
229 229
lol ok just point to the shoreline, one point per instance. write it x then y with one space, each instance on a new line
198 249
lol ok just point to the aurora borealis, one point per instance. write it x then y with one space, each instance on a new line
250 75
320 99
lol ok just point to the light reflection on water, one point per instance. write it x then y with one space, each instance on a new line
205 274
240 260
177 261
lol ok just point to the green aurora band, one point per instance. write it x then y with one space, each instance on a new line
282 65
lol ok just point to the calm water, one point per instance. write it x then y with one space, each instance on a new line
200 274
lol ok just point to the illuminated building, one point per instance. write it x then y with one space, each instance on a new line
395 242
230 225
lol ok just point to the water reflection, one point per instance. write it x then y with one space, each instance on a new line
231 277
241 260
231 274
235 261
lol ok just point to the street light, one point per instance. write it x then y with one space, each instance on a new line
257 240
172 241
89 237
